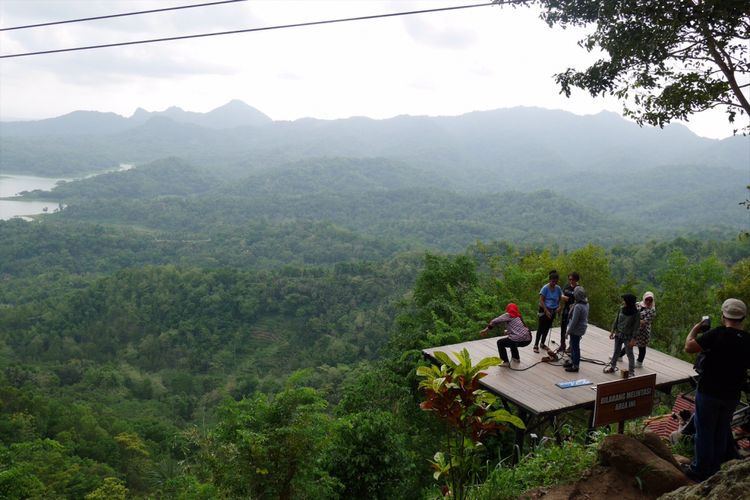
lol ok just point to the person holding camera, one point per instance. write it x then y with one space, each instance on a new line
723 362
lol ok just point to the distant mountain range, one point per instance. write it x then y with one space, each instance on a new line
505 149
233 114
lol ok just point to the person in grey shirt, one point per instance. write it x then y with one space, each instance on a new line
578 321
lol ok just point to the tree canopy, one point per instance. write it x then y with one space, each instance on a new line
666 59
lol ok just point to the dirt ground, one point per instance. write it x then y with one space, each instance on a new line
598 483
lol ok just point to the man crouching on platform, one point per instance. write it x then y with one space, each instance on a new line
722 365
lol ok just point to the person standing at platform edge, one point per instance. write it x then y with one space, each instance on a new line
568 300
579 321
725 353
519 334
647 312
549 305
624 329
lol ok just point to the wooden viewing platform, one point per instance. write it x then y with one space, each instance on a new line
530 385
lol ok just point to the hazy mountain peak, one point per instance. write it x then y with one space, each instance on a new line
235 113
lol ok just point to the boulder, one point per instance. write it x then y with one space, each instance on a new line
632 458
732 481
658 446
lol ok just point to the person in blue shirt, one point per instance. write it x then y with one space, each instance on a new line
549 306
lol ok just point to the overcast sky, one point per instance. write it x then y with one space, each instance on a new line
445 63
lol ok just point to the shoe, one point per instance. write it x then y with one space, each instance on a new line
515 360
536 348
544 347
571 368
639 364
626 374
609 369
687 469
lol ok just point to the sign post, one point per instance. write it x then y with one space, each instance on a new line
621 400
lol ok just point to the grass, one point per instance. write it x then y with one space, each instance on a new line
548 465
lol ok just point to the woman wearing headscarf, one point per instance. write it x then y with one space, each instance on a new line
647 311
518 334
624 330
577 324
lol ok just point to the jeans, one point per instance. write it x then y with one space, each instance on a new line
542 329
575 350
713 418
504 342
621 345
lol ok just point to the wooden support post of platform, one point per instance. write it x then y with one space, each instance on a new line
520 436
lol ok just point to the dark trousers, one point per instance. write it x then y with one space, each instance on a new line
563 327
504 342
575 350
542 329
641 353
713 418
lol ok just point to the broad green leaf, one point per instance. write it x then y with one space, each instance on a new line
445 359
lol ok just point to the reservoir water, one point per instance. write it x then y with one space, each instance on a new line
14 185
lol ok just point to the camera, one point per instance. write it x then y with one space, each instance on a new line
705 323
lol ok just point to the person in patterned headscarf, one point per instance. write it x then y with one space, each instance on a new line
647 311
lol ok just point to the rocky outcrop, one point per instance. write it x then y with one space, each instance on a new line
731 482
654 472
658 446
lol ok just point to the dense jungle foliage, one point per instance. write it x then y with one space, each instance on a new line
176 333
272 360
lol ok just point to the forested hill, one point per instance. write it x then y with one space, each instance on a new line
375 198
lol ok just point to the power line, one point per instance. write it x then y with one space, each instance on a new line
52 23
266 28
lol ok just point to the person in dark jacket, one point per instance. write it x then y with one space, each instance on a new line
567 306
624 329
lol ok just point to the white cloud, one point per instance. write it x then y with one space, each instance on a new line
439 63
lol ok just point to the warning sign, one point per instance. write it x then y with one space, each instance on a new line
622 400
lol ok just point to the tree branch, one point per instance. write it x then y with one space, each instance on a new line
728 72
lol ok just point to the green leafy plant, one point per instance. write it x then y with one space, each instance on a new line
453 393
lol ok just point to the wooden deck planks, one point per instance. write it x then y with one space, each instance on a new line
534 388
